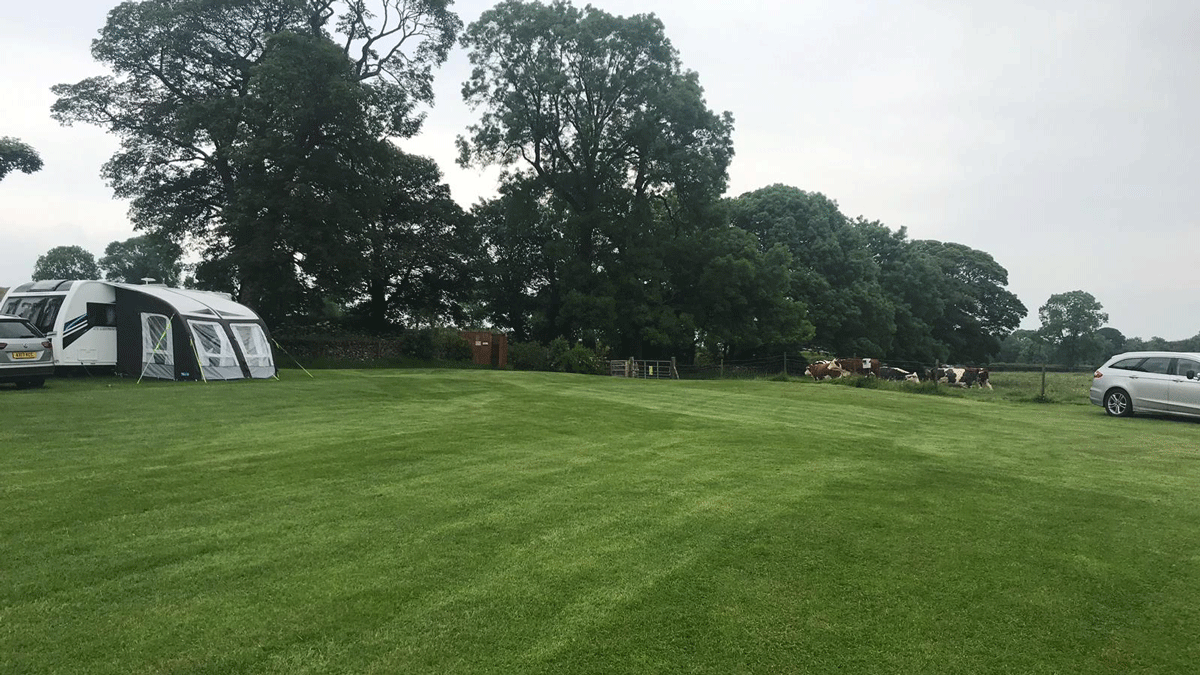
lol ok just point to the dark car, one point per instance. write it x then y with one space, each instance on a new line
25 354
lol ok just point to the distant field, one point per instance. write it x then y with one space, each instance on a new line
399 521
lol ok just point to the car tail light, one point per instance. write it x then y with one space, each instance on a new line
1097 375
46 344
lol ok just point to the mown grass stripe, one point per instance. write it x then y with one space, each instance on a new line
480 521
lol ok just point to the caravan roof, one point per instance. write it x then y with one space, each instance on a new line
190 302
44 286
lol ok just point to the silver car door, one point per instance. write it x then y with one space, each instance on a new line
1151 388
1185 392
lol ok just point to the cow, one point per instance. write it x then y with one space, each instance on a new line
947 374
973 376
897 374
962 377
821 370
858 366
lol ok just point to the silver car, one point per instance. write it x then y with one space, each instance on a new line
25 355
1158 382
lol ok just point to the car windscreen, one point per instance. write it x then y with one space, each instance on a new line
13 330
39 310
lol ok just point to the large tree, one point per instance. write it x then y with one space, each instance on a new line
66 262
979 311
741 296
145 257
834 274
206 97
597 123
309 178
420 254
520 268
16 155
915 286
1070 323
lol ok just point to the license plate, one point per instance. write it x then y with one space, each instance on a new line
24 355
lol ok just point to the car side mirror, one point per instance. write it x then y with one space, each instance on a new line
1191 374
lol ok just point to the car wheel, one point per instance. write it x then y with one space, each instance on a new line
1117 404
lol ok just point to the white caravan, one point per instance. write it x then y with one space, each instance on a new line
79 317
152 331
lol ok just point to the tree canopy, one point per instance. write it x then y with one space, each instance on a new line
16 155
614 164
979 311
596 106
870 290
420 253
253 126
66 262
262 135
833 273
144 257
1070 324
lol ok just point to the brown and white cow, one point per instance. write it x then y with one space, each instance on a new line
858 366
823 370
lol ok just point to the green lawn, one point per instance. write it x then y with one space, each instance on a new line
495 522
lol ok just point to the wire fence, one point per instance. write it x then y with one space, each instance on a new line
781 364
765 366
744 368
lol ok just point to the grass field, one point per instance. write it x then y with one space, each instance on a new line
496 522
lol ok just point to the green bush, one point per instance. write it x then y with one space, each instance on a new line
558 349
436 344
560 356
450 345
580 359
528 356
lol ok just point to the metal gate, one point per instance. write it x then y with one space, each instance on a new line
646 370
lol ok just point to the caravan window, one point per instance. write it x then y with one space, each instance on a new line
253 341
39 310
212 345
157 348
101 314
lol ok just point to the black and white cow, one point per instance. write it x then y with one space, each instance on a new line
962 377
897 374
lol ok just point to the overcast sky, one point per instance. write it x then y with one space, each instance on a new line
1059 136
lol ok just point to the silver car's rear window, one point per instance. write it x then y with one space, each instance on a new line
1157 364
40 310
14 330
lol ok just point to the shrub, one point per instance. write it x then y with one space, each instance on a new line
528 356
436 344
580 359
560 356
450 345
558 348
